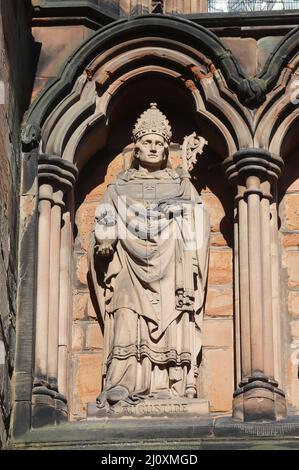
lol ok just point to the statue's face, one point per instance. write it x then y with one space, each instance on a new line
150 150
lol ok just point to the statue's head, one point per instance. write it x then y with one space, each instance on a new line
151 135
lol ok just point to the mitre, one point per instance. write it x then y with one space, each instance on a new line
152 121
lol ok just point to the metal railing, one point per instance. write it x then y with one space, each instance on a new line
247 5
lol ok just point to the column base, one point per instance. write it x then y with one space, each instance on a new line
48 407
259 401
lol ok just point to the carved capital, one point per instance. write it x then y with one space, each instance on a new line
253 162
31 136
57 172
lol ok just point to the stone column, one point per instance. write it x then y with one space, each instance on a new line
65 299
254 172
56 178
42 298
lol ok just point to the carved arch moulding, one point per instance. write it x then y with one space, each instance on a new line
110 79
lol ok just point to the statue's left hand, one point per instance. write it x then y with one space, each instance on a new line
104 250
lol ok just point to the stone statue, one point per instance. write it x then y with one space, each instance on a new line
148 262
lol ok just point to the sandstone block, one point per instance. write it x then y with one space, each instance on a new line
78 337
292 388
85 219
219 378
80 300
58 43
218 333
245 49
86 381
90 309
295 330
217 239
94 337
294 186
290 240
220 268
81 270
293 304
215 209
292 260
291 202
219 302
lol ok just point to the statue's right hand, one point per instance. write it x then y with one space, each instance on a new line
104 250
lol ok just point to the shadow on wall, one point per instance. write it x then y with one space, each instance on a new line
290 155
23 51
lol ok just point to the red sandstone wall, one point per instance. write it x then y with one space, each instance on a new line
289 238
15 91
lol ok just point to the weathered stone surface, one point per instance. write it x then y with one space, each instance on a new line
94 337
292 382
78 336
290 239
291 202
91 313
217 333
86 381
295 330
85 223
15 90
94 192
39 85
57 43
293 303
215 209
81 270
217 239
220 268
179 407
80 301
218 386
219 302
292 259
294 186
244 49
264 48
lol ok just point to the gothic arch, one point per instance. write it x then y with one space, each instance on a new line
73 106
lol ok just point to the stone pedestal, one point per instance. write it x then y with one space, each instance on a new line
180 407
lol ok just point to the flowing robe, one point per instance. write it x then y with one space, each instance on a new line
151 292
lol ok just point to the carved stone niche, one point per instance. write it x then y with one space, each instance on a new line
101 170
70 158
79 150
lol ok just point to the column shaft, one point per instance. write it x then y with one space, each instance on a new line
54 290
244 290
267 289
64 303
43 271
237 329
255 275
